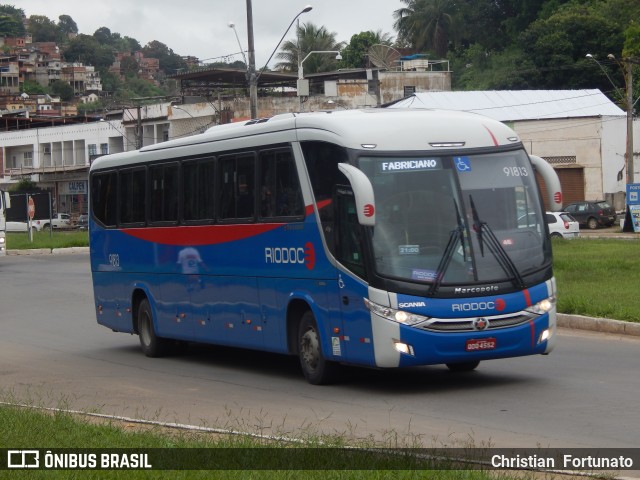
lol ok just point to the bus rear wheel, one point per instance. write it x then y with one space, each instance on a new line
317 370
150 343
462 367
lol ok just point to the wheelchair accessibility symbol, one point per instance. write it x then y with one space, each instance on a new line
463 164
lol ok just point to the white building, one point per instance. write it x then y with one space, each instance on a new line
580 132
58 158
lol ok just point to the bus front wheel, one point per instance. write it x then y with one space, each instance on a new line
151 344
316 369
462 367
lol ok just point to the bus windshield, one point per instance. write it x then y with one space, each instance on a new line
457 219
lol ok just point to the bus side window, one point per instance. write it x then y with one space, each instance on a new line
280 192
163 187
237 187
132 196
198 190
104 191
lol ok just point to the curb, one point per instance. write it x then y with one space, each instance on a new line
603 325
47 251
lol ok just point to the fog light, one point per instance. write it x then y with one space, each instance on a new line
544 336
403 348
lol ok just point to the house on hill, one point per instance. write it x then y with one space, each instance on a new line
581 133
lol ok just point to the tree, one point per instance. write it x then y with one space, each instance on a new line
129 66
558 45
63 90
354 54
11 21
43 29
67 26
170 62
33 88
309 38
426 24
86 49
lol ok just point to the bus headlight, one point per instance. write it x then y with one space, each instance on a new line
399 316
542 306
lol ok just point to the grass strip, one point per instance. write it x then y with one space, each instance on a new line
24 428
598 277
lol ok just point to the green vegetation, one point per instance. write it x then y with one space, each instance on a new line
55 239
598 277
31 429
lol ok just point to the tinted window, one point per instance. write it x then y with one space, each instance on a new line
551 218
237 186
280 193
104 198
163 186
132 195
198 180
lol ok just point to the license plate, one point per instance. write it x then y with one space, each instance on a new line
477 345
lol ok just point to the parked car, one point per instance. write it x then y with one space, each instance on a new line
59 221
592 214
36 226
562 225
83 222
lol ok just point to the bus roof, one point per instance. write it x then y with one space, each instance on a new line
371 129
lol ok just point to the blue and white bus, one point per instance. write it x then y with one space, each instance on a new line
382 238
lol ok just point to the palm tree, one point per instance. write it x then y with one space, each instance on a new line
309 38
426 24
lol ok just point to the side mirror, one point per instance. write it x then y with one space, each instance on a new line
551 180
363 192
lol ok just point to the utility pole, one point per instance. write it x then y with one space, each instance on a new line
629 84
253 81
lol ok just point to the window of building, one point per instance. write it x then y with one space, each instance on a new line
104 148
409 90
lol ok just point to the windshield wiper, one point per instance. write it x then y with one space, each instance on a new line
456 233
495 247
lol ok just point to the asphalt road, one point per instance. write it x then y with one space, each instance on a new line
53 353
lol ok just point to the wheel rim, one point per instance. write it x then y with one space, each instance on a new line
145 335
310 349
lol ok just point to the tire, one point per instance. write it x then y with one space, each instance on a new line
462 367
556 235
592 223
315 368
46 227
151 345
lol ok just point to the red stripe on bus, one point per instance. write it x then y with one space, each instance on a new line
495 140
527 297
195 235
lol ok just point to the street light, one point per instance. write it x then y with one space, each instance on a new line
303 85
628 80
251 72
244 57
300 70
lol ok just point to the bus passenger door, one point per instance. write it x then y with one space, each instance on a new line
357 334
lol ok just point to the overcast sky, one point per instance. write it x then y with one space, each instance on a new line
200 28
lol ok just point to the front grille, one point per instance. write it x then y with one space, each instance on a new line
466 325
